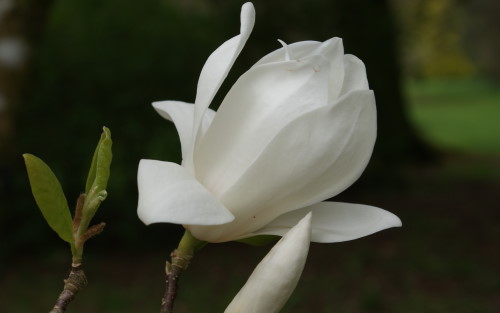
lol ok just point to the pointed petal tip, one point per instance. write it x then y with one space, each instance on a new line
288 54
155 104
392 220
248 10
247 18
387 219
160 105
306 219
303 227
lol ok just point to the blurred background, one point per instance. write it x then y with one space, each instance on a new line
67 68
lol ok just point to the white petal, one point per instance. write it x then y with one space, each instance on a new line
274 279
259 105
332 50
288 55
298 50
353 119
313 158
336 221
217 67
182 115
168 193
355 75
302 49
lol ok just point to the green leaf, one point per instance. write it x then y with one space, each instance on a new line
92 171
101 162
104 158
98 177
49 197
259 240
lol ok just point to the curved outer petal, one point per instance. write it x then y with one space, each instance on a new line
274 279
335 221
311 159
215 71
259 105
353 132
169 193
182 114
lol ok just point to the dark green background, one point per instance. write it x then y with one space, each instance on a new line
436 163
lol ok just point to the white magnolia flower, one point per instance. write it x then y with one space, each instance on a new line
296 129
274 279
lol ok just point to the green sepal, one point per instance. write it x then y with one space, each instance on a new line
258 240
49 197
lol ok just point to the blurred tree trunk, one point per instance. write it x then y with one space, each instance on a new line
483 38
375 42
21 27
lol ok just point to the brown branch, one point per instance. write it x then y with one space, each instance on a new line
180 262
75 282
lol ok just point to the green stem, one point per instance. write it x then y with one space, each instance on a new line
180 259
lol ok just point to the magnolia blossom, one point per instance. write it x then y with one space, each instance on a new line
274 279
297 128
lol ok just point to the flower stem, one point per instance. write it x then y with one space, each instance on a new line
180 259
75 282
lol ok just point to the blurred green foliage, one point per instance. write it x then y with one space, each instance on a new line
433 38
458 114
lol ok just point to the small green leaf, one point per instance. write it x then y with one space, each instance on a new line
97 179
49 197
101 162
104 159
259 240
92 171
